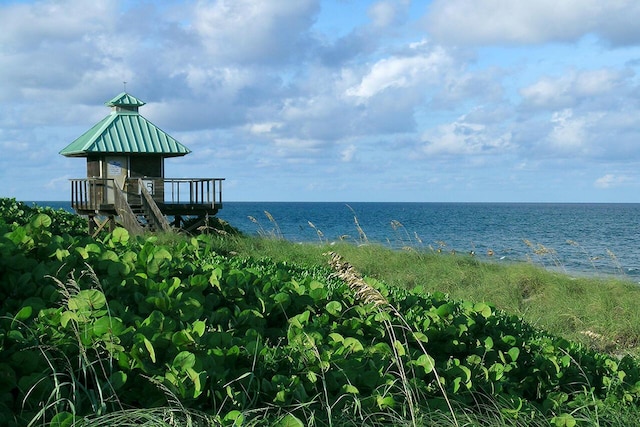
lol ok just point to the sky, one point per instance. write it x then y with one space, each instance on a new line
336 100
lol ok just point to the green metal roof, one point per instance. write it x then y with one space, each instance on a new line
124 99
125 131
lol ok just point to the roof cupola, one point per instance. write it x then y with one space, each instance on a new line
124 101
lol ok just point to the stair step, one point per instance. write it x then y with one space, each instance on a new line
144 220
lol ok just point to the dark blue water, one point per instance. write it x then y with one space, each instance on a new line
573 238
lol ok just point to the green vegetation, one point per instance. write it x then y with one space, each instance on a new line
600 312
235 330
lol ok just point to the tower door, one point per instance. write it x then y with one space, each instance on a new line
117 170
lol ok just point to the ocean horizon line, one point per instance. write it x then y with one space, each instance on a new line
579 236
391 202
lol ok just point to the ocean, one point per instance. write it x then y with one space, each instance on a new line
574 238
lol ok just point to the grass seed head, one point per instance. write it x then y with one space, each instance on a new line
362 290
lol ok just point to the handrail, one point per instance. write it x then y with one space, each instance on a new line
89 193
127 217
150 206
194 191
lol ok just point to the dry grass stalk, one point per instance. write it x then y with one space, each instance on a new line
616 263
318 232
271 219
362 290
367 294
361 233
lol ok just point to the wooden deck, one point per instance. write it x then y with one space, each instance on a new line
144 203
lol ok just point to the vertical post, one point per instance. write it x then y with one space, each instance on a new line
92 225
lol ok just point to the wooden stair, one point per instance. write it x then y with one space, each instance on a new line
143 217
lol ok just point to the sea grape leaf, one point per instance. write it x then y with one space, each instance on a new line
301 319
118 269
68 316
283 299
184 360
19 235
399 348
426 362
564 420
150 349
336 337
233 419
117 380
199 281
445 310
466 373
158 260
318 294
109 256
41 221
509 340
348 388
196 378
182 338
289 421
214 278
488 343
61 254
24 313
312 377
513 353
483 309
199 327
94 248
63 419
334 307
497 369
385 402
82 251
353 344
107 324
420 337
120 235
87 299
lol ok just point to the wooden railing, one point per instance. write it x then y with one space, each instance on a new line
89 194
194 191
92 194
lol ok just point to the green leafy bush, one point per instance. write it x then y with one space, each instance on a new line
92 328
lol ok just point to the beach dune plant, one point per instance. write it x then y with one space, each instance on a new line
95 329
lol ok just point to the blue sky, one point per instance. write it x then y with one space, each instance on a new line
341 100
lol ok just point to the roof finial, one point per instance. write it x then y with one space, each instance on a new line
125 86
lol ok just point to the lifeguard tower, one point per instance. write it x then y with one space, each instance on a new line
125 180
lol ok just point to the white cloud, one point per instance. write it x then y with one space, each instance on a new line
48 24
480 22
462 138
260 90
387 13
348 154
574 87
568 134
254 31
263 128
403 72
609 181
